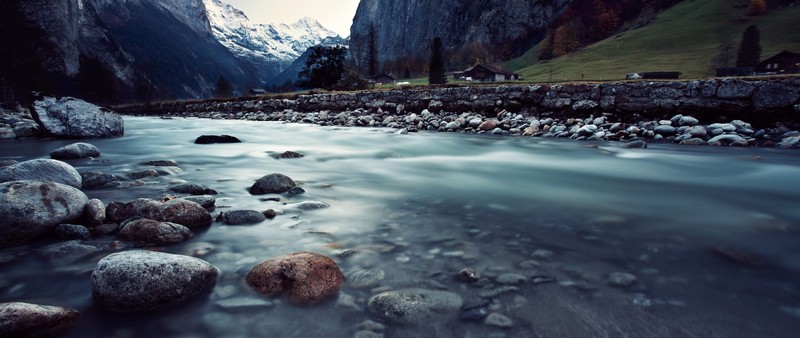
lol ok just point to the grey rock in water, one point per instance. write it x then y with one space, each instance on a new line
75 118
205 201
693 142
308 206
94 213
72 231
664 130
688 121
140 174
242 217
511 279
621 279
44 170
31 209
75 151
289 154
789 142
97 180
272 184
416 306
364 278
189 188
216 139
68 252
726 139
160 163
144 280
186 213
498 320
19 319
154 232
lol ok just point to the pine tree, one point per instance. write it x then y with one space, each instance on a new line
750 48
372 51
224 88
436 73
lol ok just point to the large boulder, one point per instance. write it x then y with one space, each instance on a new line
272 184
31 209
44 170
305 277
416 306
75 151
31 320
144 280
75 118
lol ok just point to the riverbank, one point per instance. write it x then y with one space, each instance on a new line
730 111
763 101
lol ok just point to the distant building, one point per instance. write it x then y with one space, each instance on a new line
487 73
784 62
383 79
653 75
257 91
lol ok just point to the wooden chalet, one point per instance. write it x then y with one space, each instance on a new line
784 62
383 79
487 73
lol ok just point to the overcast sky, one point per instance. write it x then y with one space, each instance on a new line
336 15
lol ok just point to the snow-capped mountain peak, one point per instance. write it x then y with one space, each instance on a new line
263 42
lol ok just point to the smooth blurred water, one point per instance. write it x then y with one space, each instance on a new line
421 207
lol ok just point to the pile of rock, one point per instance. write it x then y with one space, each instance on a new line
41 200
17 123
681 129
66 117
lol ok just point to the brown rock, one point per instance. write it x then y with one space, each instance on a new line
305 277
31 320
186 213
488 125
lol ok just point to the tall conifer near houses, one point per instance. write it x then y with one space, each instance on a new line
436 73
750 48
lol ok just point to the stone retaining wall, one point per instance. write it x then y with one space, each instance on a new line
768 101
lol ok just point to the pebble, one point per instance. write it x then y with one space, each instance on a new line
243 217
75 151
475 314
621 279
494 292
467 275
498 320
511 279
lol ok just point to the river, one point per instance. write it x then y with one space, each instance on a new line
710 233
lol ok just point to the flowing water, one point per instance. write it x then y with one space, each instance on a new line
713 234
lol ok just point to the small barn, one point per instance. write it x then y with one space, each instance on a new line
489 73
257 91
383 79
784 62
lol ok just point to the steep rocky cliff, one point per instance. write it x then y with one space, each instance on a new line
405 28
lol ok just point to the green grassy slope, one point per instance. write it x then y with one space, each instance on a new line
685 38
